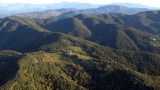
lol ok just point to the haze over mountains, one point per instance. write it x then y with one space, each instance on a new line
64 13
71 8
14 8
131 5
103 48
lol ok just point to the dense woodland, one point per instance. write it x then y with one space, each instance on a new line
81 52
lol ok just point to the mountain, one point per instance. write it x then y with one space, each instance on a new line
105 9
2 16
15 8
135 31
21 30
64 13
83 52
132 5
45 14
66 9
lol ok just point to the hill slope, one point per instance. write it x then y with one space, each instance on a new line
83 52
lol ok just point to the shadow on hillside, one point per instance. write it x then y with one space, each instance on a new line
8 69
104 80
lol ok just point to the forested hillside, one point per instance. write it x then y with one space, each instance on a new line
82 52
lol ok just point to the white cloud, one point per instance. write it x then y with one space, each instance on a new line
155 3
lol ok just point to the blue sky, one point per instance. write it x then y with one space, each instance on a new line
153 3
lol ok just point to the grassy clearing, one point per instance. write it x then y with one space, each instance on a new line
77 51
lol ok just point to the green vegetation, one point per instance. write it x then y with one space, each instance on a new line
8 65
77 51
105 52
46 71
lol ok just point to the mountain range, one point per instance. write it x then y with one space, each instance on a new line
14 8
131 5
64 13
49 10
110 51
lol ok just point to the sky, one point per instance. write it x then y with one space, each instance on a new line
153 3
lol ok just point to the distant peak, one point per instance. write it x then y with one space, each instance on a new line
113 6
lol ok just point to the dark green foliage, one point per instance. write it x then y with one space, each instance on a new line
71 26
8 65
144 62
105 52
